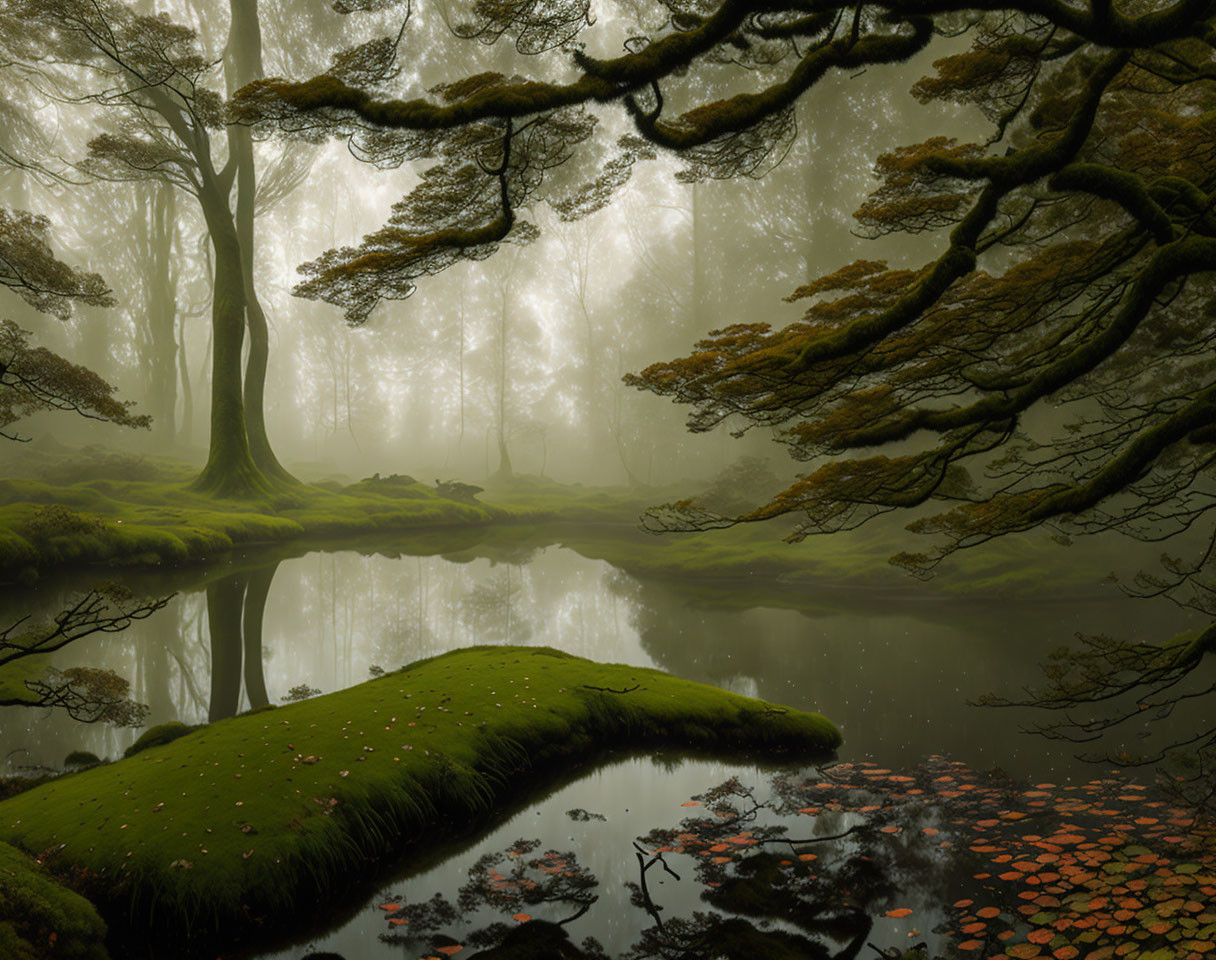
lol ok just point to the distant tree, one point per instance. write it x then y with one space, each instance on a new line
154 76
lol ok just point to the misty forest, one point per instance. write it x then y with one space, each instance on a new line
608 479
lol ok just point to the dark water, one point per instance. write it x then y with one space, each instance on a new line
893 670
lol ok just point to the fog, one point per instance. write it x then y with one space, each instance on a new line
353 353
519 355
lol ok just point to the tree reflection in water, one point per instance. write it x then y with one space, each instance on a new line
236 606
938 860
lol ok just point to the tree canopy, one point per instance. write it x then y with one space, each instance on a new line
1049 366
1077 240
150 85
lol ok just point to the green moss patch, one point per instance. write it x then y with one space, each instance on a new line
41 918
158 736
81 758
150 518
240 819
153 523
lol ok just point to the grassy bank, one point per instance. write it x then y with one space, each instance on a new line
143 514
242 820
149 523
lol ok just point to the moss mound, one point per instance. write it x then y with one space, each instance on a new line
81 758
241 819
158 736
39 918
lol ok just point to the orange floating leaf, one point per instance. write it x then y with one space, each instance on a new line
898 913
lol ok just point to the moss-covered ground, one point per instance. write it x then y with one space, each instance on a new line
143 514
41 918
243 819
150 523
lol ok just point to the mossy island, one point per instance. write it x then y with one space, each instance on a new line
234 823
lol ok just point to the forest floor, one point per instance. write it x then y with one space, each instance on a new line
242 821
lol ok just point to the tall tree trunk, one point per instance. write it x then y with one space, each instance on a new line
504 458
700 304
230 470
162 314
244 65
186 426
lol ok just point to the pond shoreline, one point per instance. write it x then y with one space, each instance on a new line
256 856
681 558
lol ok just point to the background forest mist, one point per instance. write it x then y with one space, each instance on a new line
528 347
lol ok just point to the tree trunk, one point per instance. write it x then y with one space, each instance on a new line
504 459
162 314
186 426
245 66
230 470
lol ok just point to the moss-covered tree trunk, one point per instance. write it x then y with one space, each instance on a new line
245 66
230 470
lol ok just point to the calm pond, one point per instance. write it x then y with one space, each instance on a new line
894 671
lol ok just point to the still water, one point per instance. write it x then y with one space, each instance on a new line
894 670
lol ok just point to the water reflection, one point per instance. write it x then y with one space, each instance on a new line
893 671
236 607
816 865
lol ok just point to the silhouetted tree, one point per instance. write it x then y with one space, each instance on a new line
34 379
88 694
